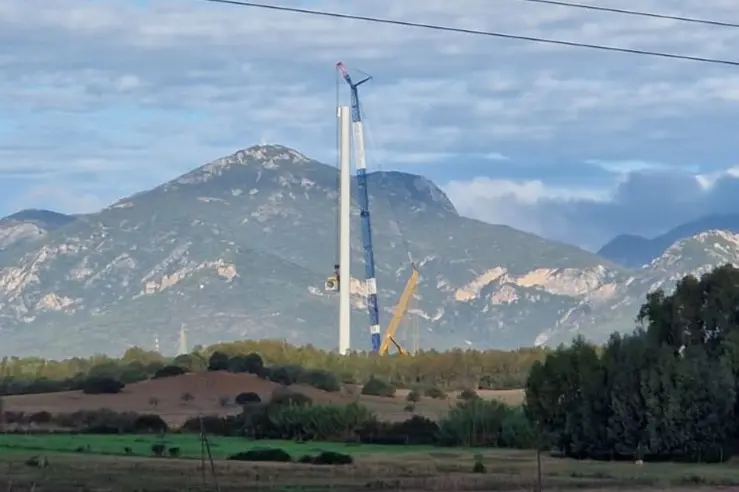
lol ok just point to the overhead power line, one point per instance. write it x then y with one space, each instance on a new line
476 32
639 13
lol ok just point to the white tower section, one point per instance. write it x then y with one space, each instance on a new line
345 260
182 346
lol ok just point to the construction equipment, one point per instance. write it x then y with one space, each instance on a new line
400 310
364 212
333 283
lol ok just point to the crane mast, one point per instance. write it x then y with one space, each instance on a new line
364 212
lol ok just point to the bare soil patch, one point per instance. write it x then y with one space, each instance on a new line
165 397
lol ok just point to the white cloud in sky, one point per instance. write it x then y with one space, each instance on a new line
106 98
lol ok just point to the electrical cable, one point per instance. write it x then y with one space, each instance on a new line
638 13
477 32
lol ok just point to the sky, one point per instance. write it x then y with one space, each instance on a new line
101 99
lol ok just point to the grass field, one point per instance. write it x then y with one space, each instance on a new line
406 468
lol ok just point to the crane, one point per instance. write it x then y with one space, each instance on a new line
333 283
400 309
364 212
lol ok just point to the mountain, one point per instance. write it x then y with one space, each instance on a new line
634 251
614 306
240 248
29 225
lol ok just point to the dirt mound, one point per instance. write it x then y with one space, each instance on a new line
166 397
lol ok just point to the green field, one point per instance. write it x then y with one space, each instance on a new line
95 462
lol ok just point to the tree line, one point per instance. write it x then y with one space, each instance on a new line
668 391
451 370
289 415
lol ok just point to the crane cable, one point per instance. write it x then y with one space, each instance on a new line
393 210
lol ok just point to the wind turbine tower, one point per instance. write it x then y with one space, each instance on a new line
182 347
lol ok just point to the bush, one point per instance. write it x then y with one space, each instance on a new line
286 374
332 458
414 396
97 385
247 398
174 452
254 364
319 379
468 394
218 362
42 417
150 423
265 454
312 423
211 424
158 449
435 393
378 387
417 430
479 422
169 371
282 396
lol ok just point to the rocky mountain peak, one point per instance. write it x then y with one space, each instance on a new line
256 157
412 189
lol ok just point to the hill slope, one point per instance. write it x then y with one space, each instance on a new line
635 251
29 225
241 247
615 306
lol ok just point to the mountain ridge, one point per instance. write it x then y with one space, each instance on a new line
633 251
240 248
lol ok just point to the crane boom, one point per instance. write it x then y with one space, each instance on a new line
400 310
364 211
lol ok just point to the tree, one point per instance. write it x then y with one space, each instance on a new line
102 385
247 398
169 371
218 362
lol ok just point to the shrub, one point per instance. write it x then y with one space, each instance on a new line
479 422
435 392
187 397
247 398
42 417
254 364
169 371
282 396
149 423
319 379
417 430
97 385
211 424
414 396
378 387
411 407
286 374
264 454
174 452
158 449
224 400
218 362
468 394
332 458
314 423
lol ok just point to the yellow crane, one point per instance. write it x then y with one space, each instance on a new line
400 310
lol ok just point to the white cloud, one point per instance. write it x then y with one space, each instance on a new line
133 94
